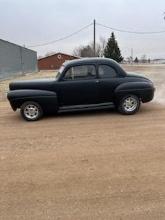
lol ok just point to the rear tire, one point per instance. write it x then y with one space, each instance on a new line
129 105
31 111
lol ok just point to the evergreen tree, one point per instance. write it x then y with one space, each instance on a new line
112 50
136 60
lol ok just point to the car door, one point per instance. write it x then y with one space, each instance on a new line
109 79
79 86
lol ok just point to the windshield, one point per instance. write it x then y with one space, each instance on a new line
60 71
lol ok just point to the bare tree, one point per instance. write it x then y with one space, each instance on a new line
129 59
77 51
83 51
87 51
103 43
144 59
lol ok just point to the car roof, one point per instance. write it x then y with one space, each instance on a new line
90 60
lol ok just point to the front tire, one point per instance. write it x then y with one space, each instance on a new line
31 111
129 105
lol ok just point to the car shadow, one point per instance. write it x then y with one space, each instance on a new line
81 113
144 110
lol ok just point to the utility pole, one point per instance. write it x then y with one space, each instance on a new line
94 37
131 55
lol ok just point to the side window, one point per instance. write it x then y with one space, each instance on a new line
80 72
106 71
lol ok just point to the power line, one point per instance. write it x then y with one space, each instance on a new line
62 38
94 37
99 24
130 32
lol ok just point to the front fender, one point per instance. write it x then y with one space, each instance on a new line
47 99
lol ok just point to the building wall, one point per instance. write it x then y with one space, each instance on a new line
53 62
16 60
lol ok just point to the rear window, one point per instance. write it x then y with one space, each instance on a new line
106 71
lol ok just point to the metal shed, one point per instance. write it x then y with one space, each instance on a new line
16 60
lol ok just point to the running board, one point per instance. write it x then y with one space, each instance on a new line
86 107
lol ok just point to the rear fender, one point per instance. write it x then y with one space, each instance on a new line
143 90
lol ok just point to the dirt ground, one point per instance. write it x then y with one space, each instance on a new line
91 165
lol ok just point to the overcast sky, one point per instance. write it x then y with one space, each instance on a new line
33 22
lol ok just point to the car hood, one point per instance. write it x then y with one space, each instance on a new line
31 84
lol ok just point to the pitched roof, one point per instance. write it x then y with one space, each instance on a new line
59 53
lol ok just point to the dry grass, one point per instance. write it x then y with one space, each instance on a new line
4 84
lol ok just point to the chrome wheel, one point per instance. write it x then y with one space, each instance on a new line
130 104
31 111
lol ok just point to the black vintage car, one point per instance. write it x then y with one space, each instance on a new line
82 84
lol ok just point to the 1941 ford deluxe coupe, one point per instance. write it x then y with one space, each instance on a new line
93 83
